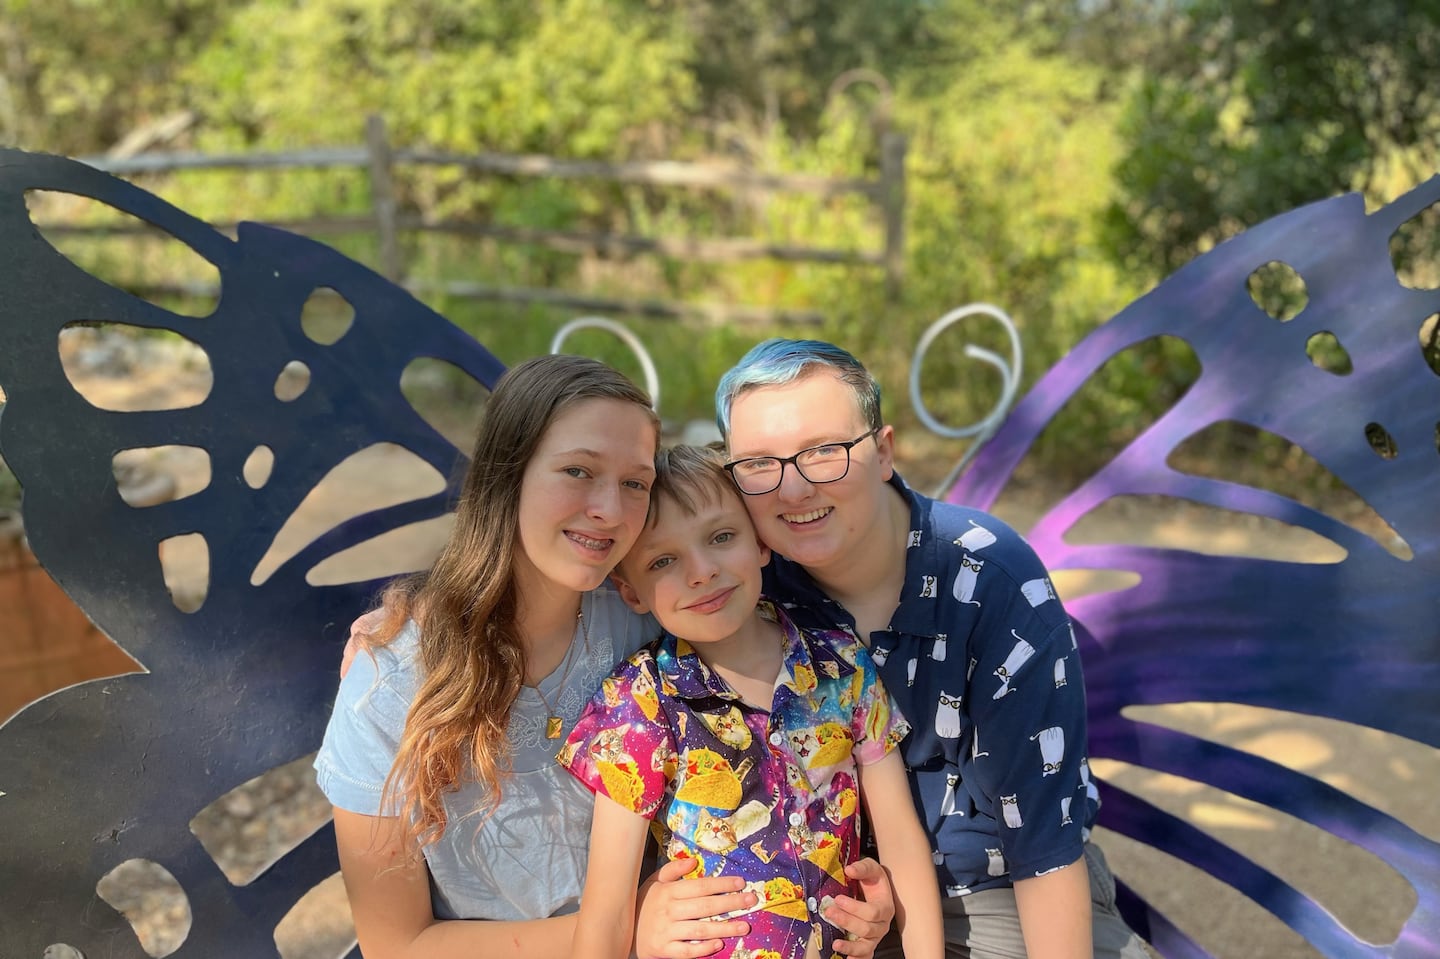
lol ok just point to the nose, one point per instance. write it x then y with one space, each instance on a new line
793 487
699 568
604 505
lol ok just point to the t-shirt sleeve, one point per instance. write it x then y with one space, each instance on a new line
365 727
876 723
628 630
622 745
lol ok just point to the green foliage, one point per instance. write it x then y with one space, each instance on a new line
1063 154
571 77
79 75
1255 109
1009 180
762 65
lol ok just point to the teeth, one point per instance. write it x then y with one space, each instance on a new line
589 543
814 514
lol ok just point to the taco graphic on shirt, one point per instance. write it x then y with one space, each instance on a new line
709 781
826 854
642 690
833 743
622 782
784 898
842 805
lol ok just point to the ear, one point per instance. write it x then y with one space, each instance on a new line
885 448
764 552
628 593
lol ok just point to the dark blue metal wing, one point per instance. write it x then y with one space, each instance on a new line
114 770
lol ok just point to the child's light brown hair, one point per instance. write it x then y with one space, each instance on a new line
688 476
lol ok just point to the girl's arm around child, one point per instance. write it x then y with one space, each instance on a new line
389 891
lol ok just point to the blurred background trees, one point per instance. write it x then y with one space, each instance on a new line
1064 155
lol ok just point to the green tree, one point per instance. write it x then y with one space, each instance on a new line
76 76
574 78
1256 108
762 65
569 76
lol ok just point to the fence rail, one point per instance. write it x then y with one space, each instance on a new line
380 158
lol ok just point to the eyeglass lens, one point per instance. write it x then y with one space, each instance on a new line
820 464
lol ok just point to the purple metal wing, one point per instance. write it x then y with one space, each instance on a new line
1356 640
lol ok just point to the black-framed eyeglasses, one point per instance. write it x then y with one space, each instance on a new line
826 463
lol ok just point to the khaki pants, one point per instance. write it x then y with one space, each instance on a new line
986 924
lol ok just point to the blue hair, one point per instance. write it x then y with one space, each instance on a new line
777 361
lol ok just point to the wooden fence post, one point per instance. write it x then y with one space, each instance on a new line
382 189
892 201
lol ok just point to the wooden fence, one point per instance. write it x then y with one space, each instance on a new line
381 158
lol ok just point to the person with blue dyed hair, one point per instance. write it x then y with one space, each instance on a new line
965 628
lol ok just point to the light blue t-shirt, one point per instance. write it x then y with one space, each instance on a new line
527 860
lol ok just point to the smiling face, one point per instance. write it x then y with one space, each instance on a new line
698 572
821 526
584 494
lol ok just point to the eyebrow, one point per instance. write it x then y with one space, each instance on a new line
810 444
646 466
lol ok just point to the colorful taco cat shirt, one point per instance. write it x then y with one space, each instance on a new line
770 796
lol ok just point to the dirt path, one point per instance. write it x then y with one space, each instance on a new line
253 825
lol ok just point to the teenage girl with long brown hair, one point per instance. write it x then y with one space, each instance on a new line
439 757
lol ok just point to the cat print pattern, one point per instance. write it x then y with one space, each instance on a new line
981 664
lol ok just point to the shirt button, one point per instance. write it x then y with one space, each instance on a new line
774 739
796 819
812 904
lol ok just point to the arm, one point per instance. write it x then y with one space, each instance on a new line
607 906
878 728
905 853
1055 913
1027 702
390 899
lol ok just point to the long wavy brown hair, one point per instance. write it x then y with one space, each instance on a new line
471 656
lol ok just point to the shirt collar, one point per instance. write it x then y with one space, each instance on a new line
922 559
922 555
684 674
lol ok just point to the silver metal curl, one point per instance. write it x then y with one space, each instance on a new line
1009 377
652 379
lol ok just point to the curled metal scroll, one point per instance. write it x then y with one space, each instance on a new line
983 429
652 379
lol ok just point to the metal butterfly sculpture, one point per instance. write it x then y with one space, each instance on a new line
115 769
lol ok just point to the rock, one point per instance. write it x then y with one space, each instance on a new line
61 951
140 487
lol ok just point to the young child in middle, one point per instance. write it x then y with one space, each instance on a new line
742 742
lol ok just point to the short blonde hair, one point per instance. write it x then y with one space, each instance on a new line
690 476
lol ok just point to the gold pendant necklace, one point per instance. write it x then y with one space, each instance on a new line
554 725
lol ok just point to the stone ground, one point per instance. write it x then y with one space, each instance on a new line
255 824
